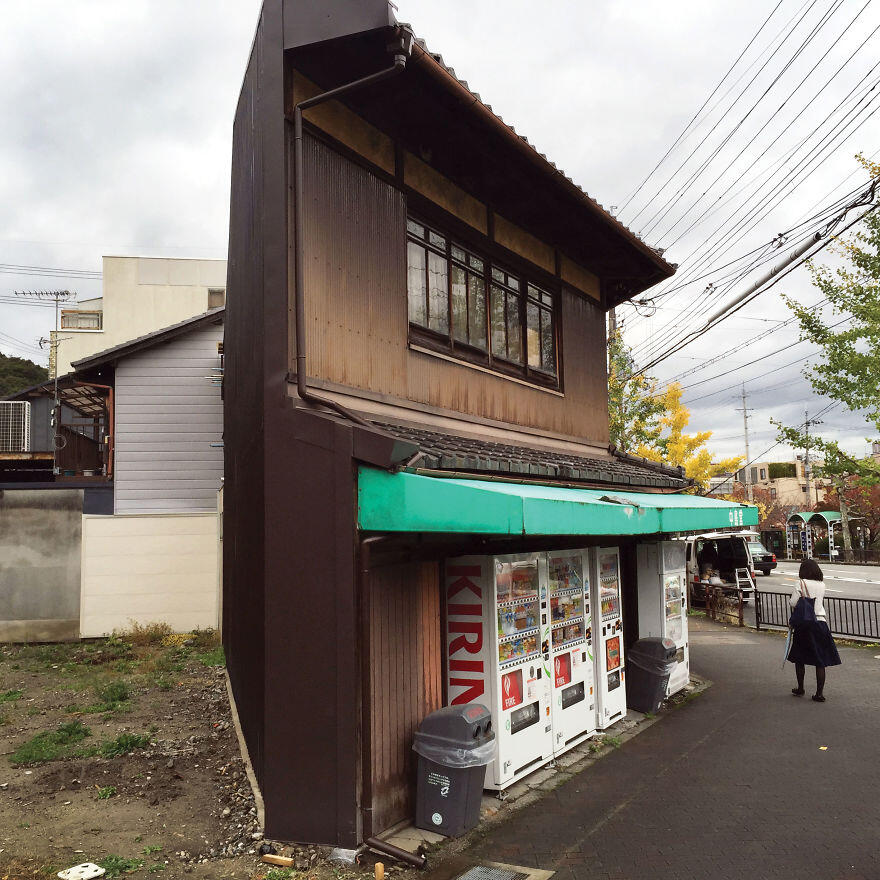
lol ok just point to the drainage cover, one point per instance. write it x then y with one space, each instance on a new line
482 872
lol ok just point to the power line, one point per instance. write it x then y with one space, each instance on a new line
786 128
702 106
800 170
666 183
696 175
777 275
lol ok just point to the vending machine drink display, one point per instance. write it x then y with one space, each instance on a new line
495 631
662 602
608 637
571 650
518 640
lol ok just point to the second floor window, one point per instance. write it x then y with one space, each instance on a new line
458 301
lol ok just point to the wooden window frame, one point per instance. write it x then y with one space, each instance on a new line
447 343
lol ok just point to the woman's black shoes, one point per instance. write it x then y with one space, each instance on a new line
798 692
819 698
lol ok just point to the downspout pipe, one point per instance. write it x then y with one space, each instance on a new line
402 47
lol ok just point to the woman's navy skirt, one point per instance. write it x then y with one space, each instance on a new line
812 645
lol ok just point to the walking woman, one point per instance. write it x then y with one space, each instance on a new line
811 643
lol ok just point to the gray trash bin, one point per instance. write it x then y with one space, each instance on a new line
648 665
454 746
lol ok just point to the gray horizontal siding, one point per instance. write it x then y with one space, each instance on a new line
168 413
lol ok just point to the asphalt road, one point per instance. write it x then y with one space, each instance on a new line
845 581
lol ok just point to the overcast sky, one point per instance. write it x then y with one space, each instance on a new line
117 125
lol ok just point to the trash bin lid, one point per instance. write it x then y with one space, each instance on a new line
463 727
653 648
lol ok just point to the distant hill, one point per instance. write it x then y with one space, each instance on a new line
18 373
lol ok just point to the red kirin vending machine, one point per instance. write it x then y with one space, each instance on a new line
517 640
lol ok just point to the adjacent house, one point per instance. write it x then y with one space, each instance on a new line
415 373
786 481
137 537
138 295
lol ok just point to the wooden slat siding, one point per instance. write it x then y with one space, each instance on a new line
405 660
167 416
356 314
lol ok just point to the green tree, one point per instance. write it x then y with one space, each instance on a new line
634 402
849 368
17 373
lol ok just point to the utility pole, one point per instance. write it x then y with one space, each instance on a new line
807 469
747 470
58 296
612 323
844 519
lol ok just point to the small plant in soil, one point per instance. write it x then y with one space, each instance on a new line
50 745
124 743
151 848
214 657
116 866
106 792
10 696
114 692
146 633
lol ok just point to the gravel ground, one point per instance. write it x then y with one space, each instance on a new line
176 802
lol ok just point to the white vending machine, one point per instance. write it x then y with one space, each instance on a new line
662 602
494 634
573 713
608 637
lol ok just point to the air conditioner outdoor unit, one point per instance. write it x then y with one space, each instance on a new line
15 426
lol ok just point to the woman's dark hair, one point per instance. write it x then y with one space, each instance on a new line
810 571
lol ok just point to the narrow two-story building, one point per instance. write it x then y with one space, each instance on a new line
415 376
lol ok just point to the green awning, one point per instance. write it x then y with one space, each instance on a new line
404 502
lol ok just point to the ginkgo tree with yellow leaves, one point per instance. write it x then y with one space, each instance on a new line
650 421
672 446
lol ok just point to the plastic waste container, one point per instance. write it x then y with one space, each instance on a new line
648 665
454 746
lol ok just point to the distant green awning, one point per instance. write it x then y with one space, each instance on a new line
405 502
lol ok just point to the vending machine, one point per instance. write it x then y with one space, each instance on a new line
573 712
608 637
662 601
495 632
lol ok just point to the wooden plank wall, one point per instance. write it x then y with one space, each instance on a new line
406 664
356 315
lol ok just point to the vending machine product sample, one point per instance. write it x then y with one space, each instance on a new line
662 581
609 660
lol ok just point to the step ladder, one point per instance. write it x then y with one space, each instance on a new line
744 580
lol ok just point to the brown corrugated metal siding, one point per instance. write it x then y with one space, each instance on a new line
406 680
356 314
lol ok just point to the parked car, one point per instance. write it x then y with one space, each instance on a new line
719 558
762 559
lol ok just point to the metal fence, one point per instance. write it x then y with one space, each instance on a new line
852 618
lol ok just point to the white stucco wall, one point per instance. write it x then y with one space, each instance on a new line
148 568
140 295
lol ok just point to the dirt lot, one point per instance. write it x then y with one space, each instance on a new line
122 752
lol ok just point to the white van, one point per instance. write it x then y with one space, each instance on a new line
718 556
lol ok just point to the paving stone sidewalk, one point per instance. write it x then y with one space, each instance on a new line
735 784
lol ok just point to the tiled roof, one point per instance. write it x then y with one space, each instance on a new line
476 95
451 452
